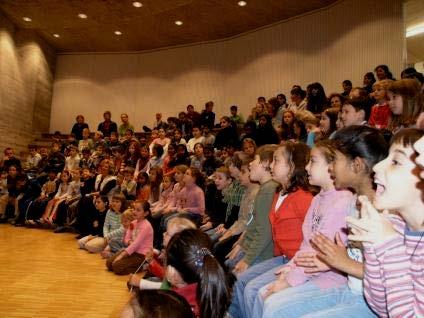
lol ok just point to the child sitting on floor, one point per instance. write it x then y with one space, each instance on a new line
139 238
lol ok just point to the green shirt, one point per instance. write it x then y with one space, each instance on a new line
123 129
257 242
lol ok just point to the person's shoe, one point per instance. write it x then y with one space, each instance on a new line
60 229
18 224
79 236
3 220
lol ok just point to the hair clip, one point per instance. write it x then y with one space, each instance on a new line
200 255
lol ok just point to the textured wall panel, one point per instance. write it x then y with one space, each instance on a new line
339 42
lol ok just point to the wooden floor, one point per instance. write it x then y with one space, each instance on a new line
43 274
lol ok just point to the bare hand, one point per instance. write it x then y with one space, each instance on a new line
310 262
275 287
373 227
330 252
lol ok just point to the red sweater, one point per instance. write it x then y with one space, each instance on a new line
287 220
380 115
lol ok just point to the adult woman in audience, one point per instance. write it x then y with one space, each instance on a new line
336 100
406 103
103 185
316 98
78 127
266 134
382 72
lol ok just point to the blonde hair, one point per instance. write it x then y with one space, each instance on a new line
180 224
307 117
128 214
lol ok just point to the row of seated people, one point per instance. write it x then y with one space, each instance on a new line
274 216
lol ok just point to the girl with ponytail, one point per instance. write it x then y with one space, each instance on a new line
196 275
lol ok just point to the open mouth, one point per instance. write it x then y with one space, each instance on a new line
380 188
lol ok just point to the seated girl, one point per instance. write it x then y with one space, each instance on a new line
174 226
139 240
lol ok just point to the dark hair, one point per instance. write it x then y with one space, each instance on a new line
198 176
105 199
155 185
361 142
145 176
407 137
386 70
347 82
159 150
298 91
159 303
189 253
316 103
261 98
297 155
332 114
234 107
303 132
360 103
370 75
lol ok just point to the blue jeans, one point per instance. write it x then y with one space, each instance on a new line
238 304
308 300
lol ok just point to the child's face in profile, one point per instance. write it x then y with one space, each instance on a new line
395 180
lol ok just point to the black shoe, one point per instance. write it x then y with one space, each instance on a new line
3 220
19 224
79 236
60 229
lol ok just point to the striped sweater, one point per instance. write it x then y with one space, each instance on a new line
394 273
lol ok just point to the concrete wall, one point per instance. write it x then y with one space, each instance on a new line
26 85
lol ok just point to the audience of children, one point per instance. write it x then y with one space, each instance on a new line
287 248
